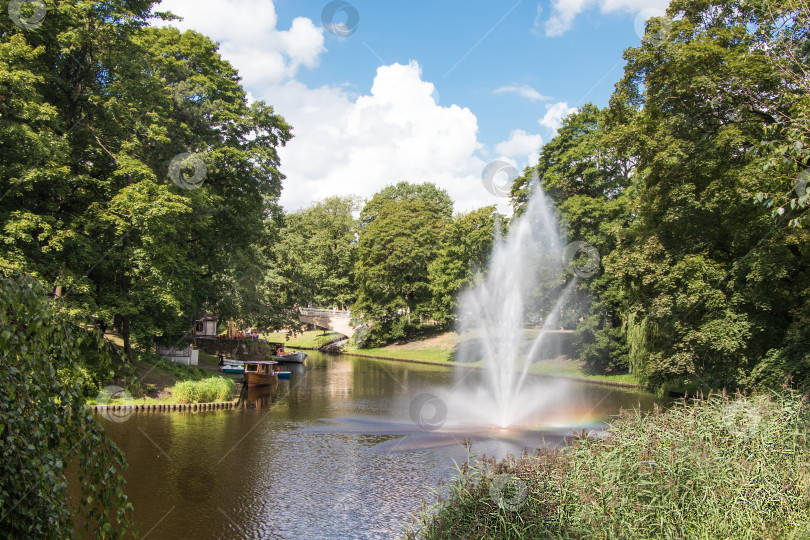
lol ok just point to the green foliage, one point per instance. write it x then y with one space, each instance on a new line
88 203
462 259
204 391
391 272
426 193
701 282
45 425
316 252
712 468
702 262
786 144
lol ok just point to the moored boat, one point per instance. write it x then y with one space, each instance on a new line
296 357
232 366
285 375
260 373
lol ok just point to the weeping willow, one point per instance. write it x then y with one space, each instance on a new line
636 333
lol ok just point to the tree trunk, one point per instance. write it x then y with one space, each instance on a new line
125 335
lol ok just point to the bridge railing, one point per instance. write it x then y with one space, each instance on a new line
335 314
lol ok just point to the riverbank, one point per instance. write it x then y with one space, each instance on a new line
441 350
709 468
310 340
152 380
126 408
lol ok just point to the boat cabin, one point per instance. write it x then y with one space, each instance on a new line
260 373
261 367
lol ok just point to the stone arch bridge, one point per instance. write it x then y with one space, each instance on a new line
329 319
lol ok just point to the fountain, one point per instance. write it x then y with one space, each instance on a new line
502 407
527 264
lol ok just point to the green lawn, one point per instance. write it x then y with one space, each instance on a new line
569 368
441 348
425 355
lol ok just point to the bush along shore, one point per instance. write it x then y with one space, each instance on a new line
206 394
715 467
207 390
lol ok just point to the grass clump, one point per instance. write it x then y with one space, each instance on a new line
731 468
204 391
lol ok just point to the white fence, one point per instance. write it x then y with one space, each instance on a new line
187 355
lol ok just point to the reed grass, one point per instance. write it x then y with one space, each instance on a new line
720 467
203 391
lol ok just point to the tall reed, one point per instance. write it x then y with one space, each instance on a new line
721 467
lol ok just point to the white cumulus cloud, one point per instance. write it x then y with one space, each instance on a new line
563 12
344 143
555 114
523 90
249 39
520 144
397 132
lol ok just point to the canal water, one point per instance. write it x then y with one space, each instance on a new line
335 452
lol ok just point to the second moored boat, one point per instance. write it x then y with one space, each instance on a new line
296 357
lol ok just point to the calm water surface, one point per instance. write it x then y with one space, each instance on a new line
332 453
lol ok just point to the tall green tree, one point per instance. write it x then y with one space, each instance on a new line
462 258
391 272
45 426
710 285
405 191
317 251
680 184
100 211
785 38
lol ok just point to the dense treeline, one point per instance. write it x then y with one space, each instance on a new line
400 265
136 179
687 185
691 184
316 252
137 187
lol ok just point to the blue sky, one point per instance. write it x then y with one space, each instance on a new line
418 91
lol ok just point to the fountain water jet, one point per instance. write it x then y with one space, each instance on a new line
494 312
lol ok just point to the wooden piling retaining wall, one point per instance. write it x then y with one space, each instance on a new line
166 407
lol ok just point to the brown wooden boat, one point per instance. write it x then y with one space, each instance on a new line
260 373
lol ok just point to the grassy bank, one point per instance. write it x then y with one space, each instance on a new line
713 468
439 349
151 379
565 367
442 349
312 339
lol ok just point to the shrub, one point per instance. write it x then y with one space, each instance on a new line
46 428
204 391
